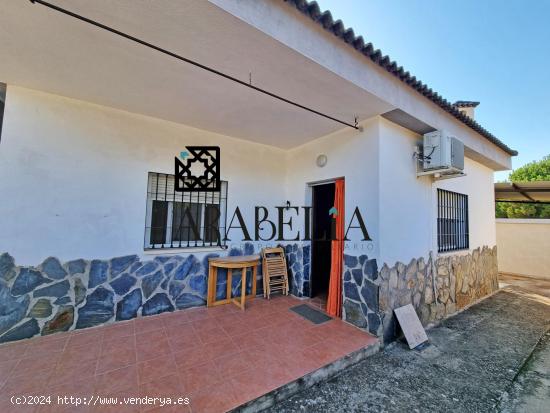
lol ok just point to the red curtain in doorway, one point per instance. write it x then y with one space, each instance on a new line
334 301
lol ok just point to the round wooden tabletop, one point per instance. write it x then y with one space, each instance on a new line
243 260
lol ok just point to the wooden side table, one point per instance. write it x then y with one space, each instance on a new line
230 263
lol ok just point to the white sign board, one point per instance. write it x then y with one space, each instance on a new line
411 325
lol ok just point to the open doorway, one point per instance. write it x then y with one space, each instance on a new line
322 233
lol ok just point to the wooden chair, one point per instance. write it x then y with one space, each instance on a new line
274 271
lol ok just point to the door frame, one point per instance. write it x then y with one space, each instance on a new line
309 201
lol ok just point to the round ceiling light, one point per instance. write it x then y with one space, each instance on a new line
321 160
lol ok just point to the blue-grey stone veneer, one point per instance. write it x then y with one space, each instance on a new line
56 296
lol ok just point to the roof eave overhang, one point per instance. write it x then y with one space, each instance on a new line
317 36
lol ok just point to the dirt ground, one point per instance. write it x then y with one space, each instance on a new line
494 356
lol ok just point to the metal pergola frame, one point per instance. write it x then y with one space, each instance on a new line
533 192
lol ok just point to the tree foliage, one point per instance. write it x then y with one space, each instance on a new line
533 171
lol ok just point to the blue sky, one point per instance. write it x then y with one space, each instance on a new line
494 52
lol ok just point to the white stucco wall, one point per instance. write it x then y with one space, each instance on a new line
352 155
408 205
74 176
77 176
523 246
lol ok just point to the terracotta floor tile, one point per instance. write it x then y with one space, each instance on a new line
183 340
220 357
181 329
176 315
91 337
324 353
300 363
344 345
334 328
264 351
69 372
6 367
301 339
32 382
125 378
28 365
233 364
115 360
182 332
13 351
249 340
200 376
44 346
190 357
118 344
255 323
198 313
147 350
216 398
205 324
167 386
118 330
227 320
252 313
156 368
83 388
222 310
278 375
219 348
155 335
238 329
212 335
147 324
249 385
300 321
175 323
77 355
271 334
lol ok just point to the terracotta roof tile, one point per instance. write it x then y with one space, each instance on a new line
325 19
465 104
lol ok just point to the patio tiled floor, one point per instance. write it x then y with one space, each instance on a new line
218 357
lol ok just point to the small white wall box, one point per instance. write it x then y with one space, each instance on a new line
442 152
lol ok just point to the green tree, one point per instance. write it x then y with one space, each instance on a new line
533 171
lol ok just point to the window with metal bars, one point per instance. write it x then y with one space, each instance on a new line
452 221
183 219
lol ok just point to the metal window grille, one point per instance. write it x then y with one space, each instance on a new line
177 219
452 221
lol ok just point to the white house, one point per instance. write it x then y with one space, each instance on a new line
92 122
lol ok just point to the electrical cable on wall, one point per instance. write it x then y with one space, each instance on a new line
192 62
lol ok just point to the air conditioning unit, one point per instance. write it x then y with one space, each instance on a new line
442 152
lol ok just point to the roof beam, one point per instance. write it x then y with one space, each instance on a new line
518 189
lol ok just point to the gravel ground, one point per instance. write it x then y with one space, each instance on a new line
488 358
